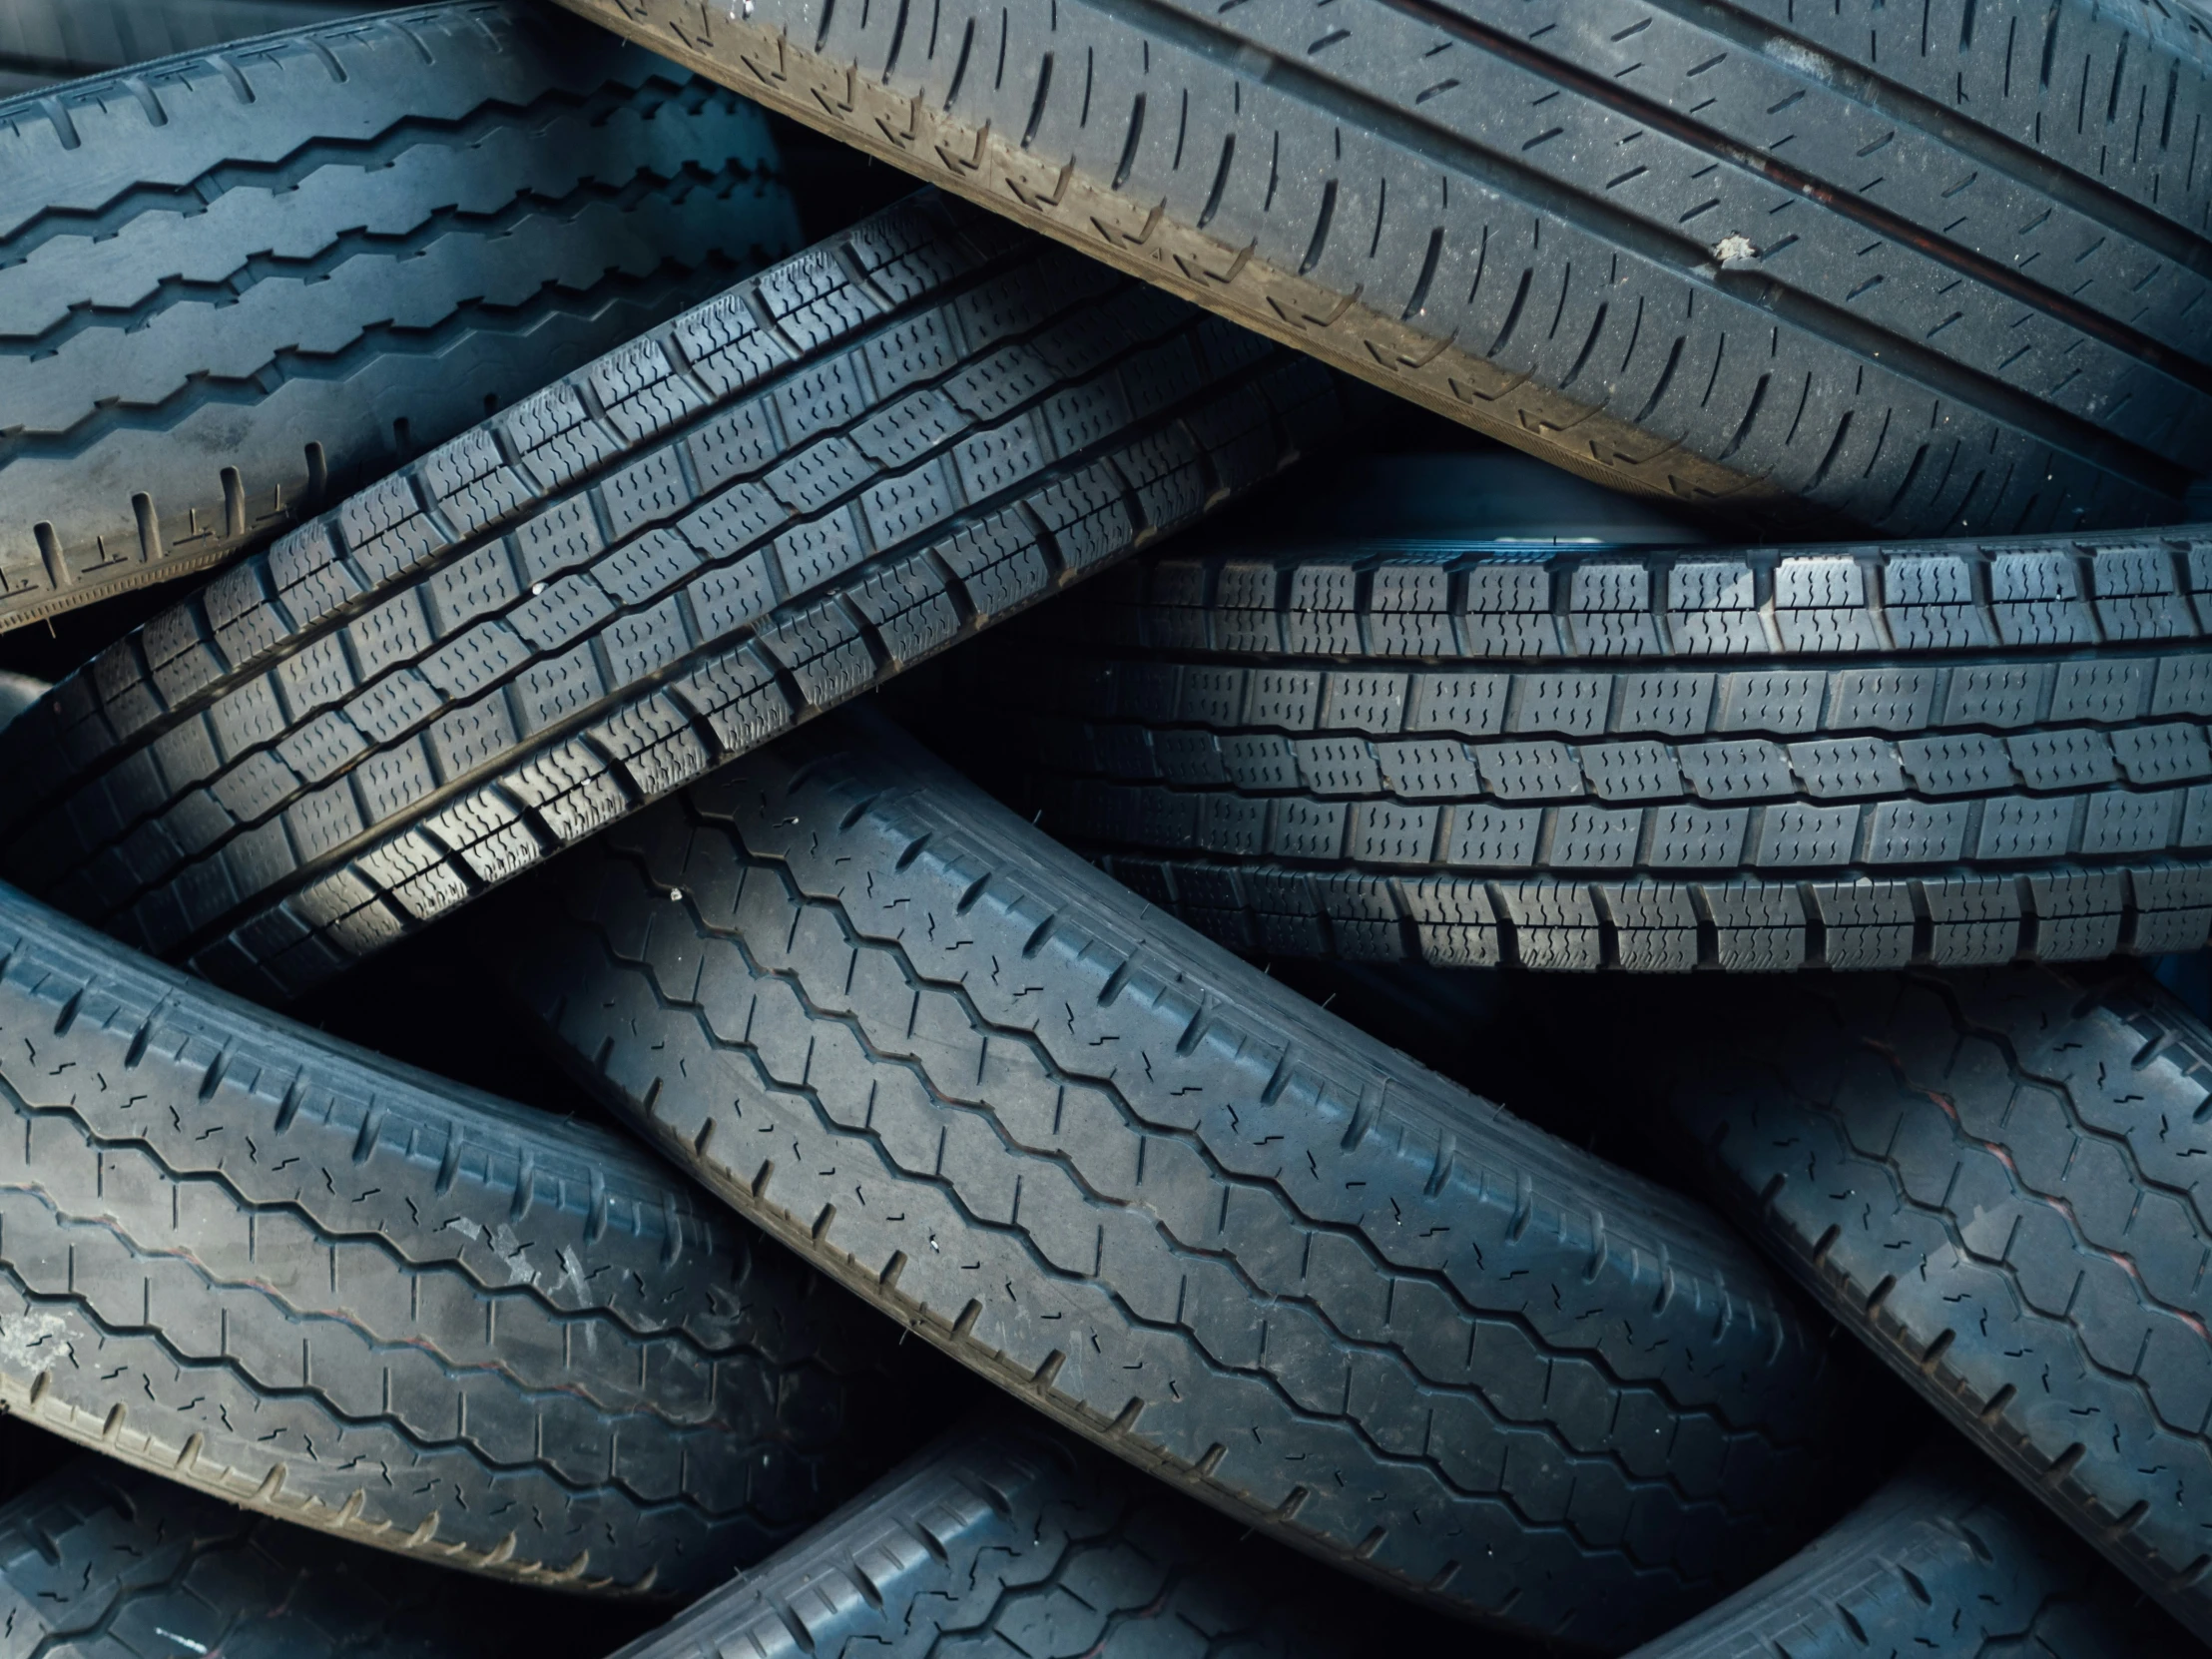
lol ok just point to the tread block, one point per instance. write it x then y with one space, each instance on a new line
1594 837
1505 611
1555 925
1932 603
2077 916
469 484
640 392
1880 700
386 531
1609 610
1492 838
1655 927
648 490
1865 924
555 438
744 476
1972 920
1917 832
1453 920
1757 928
1821 605
2173 909
1713 609
2038 600
725 347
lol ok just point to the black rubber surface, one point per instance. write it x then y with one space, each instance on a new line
45 41
1996 1179
234 285
1946 1559
780 499
1939 267
99 1561
1175 1205
17 693
1007 1540
296 1277
1471 748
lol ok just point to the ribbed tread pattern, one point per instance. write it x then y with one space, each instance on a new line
1847 755
1175 1205
45 41
1945 1558
1994 1179
287 1274
737 521
1009 1538
1689 608
100 1561
237 283
1938 268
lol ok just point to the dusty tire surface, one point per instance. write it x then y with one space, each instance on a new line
775 502
1175 1205
1994 1179
1010 1539
238 284
1930 267
1475 752
1946 1558
45 41
100 1561
303 1280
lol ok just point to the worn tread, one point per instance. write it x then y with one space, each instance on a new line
1945 1558
102 1561
238 283
46 41
1992 1178
770 504
1009 1538
1722 250
1174 1205
278 1269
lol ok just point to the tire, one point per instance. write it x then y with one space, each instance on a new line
45 41
1849 756
397 225
1173 1206
307 1280
1945 1558
1992 1177
1877 262
1006 1539
98 1562
407 699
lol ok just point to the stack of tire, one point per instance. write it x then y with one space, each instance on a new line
1815 598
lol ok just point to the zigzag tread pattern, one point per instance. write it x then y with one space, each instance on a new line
249 1260
1016 1535
1992 1177
1182 1211
1946 1558
100 1561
